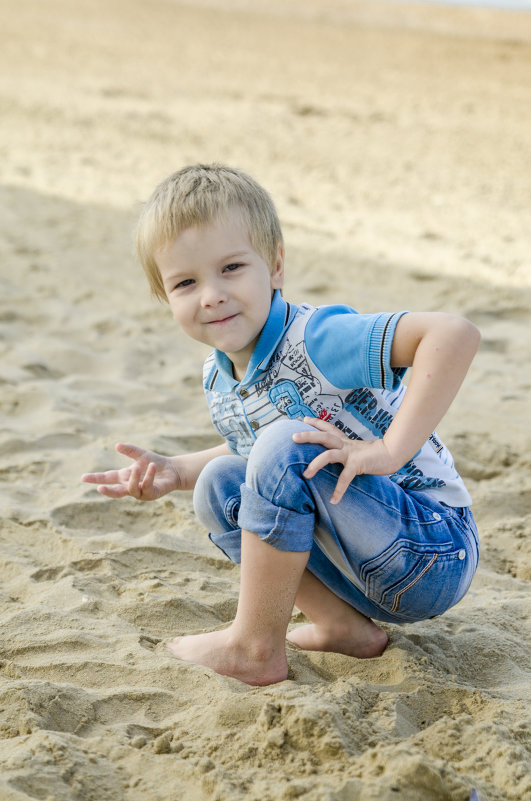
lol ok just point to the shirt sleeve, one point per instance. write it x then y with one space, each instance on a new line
353 350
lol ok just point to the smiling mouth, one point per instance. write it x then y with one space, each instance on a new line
222 320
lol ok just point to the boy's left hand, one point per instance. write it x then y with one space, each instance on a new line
357 456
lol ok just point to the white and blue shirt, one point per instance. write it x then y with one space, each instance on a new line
328 362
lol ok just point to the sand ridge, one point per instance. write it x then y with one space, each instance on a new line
397 149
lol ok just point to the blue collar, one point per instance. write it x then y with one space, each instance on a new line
280 316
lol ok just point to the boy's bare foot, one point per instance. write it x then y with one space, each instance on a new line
362 638
253 664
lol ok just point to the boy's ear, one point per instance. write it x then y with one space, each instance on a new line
277 274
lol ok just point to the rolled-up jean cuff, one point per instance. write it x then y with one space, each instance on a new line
230 543
284 529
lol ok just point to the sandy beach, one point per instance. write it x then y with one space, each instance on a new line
395 141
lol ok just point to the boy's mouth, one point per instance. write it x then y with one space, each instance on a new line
222 320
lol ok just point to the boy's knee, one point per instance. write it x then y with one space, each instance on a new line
275 449
277 504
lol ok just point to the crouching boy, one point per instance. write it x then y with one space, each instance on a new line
330 486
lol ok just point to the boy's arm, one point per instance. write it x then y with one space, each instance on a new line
195 462
439 348
152 475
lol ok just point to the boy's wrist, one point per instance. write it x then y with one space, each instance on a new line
397 456
187 467
183 478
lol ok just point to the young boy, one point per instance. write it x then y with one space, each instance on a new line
330 487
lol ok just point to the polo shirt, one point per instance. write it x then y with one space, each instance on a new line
329 362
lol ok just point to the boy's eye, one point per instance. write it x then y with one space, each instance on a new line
231 267
184 283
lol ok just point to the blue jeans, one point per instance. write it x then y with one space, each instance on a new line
392 554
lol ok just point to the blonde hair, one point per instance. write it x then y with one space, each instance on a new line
199 195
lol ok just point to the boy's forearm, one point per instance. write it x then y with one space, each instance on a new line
190 465
440 364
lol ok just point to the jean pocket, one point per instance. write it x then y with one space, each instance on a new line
414 582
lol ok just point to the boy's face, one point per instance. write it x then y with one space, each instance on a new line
219 288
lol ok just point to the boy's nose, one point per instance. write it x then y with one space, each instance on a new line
212 295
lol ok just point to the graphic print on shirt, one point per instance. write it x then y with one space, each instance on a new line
226 411
300 393
363 405
410 476
292 386
266 383
285 396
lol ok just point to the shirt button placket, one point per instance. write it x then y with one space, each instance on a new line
254 423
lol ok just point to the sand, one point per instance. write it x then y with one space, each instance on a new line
395 140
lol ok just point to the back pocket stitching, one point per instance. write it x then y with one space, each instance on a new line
399 594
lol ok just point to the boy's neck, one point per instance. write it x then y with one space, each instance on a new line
238 373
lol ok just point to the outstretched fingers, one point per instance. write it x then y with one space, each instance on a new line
113 491
333 441
322 425
111 483
330 456
342 485
345 477
322 434
109 477
147 484
135 480
106 478
132 451
141 482
325 438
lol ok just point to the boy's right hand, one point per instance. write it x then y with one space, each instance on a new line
148 478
